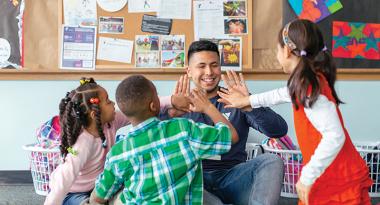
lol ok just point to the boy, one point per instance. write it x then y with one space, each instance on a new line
159 162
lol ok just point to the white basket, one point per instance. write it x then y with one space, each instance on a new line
42 164
293 161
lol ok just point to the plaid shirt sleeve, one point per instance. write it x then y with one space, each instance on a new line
107 183
207 141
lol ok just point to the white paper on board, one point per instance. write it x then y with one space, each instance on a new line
112 5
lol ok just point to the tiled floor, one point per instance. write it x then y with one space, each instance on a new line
16 188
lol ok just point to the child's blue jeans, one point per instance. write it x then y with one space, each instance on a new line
76 198
255 182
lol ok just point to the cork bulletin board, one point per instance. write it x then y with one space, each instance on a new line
43 22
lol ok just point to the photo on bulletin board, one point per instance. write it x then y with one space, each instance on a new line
235 26
147 43
235 8
147 59
355 41
230 50
112 25
172 42
173 59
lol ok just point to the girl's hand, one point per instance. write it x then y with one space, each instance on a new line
236 82
199 101
236 95
303 192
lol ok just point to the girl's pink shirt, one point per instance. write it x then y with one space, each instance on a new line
78 173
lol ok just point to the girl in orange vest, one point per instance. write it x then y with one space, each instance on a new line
333 171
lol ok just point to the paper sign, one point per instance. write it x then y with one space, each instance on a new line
78 48
152 24
113 49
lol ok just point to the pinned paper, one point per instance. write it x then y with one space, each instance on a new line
112 5
113 49
80 12
5 51
135 6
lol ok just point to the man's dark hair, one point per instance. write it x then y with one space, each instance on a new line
203 45
134 94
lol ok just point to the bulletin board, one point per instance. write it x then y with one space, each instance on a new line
42 30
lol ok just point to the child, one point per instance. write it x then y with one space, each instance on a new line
333 172
159 162
89 124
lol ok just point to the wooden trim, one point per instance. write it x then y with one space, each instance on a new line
168 74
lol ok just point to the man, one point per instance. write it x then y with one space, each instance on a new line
230 177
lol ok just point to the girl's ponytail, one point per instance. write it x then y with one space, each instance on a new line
71 127
302 77
325 64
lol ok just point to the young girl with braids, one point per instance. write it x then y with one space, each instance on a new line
333 171
88 128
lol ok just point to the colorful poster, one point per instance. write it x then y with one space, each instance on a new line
356 40
315 10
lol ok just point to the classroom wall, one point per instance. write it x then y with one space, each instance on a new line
24 105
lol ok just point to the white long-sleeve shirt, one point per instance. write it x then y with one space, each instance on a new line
325 119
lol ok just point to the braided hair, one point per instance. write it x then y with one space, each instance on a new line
74 112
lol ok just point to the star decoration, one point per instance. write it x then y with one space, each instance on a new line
341 40
357 31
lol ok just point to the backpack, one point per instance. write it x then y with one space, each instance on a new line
48 134
292 161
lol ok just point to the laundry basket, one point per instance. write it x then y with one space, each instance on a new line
42 163
293 165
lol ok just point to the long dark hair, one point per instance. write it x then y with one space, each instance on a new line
74 112
315 58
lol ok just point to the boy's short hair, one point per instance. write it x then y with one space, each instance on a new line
202 45
134 94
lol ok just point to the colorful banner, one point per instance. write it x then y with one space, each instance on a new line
315 10
356 40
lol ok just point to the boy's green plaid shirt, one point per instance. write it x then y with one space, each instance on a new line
159 162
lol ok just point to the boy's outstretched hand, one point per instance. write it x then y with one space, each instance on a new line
199 101
180 98
236 95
